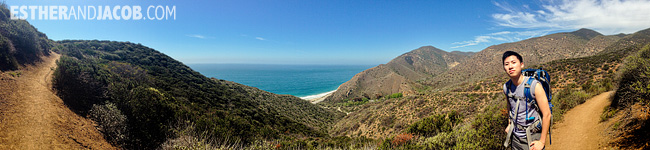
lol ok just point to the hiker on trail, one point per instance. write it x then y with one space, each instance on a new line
528 105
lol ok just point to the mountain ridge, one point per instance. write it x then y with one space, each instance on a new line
399 74
402 78
536 51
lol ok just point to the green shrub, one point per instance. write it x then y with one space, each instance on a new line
566 99
15 73
396 95
444 140
634 80
432 125
486 131
608 112
111 122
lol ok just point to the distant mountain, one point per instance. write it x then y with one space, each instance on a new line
20 42
629 44
486 63
401 74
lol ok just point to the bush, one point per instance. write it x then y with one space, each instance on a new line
402 139
444 140
432 125
608 112
111 122
486 131
396 95
634 80
566 99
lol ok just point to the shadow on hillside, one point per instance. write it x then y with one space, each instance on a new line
638 135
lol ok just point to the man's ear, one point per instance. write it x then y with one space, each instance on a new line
522 65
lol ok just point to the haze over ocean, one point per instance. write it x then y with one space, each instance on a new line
297 80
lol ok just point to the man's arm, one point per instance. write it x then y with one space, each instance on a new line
542 103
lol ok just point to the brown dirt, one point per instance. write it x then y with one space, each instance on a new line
581 127
33 117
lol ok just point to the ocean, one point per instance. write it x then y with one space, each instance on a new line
304 81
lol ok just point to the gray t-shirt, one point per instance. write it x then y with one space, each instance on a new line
518 91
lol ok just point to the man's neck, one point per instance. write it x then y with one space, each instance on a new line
517 80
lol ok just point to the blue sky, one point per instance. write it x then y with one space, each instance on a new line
339 32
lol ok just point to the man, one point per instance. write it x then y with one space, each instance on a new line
526 115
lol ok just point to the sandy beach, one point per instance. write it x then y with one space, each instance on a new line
318 98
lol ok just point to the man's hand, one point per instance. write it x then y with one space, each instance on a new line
536 145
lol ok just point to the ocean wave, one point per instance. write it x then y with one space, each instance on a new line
311 97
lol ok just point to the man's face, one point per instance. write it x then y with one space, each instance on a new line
512 66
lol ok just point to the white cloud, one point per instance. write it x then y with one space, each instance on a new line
503 36
477 40
260 38
197 36
604 16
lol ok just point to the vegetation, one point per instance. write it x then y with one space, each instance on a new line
143 99
634 86
355 102
153 92
20 42
631 101
432 125
481 105
396 95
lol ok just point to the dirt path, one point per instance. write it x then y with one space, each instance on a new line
580 128
33 117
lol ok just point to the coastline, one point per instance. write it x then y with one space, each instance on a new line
318 97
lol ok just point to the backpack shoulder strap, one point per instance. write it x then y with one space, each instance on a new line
506 87
529 88
529 95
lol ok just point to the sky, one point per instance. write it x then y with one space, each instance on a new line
341 32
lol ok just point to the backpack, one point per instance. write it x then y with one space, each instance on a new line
544 79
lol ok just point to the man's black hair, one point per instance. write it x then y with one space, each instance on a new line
510 53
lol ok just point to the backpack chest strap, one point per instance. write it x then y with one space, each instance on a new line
517 98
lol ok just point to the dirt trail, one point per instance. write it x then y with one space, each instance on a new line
33 117
581 128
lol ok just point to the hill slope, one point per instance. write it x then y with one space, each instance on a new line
580 43
399 75
155 93
33 117
480 103
579 78
20 42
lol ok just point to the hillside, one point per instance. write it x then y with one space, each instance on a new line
20 42
433 68
137 97
159 98
33 117
580 43
401 74
479 104
107 94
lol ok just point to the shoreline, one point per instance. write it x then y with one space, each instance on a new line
318 97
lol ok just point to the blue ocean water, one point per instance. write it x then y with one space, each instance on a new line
298 80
